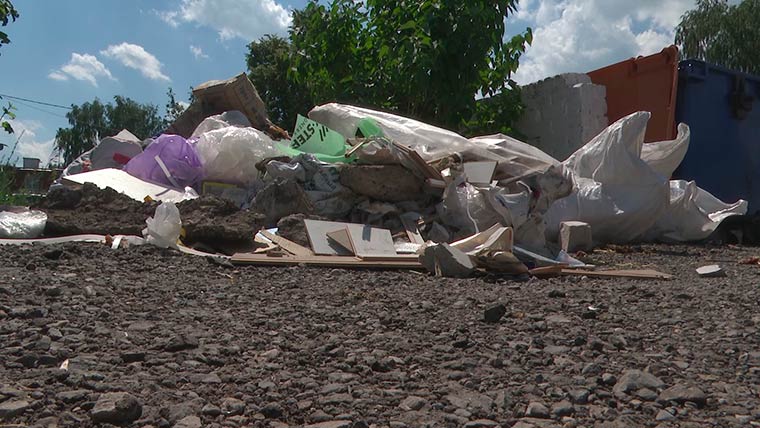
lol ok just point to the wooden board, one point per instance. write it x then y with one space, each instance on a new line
642 273
365 240
287 245
409 220
329 261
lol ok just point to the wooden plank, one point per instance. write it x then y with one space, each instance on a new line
642 273
365 240
409 221
329 261
287 245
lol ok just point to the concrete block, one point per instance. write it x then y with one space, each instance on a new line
575 236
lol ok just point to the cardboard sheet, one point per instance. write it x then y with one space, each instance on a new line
367 241
124 183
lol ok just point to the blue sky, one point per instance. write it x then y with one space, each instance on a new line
69 52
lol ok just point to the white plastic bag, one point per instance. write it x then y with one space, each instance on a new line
616 192
164 227
665 156
228 118
693 214
22 225
230 154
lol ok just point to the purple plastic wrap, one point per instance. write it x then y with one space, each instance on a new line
170 160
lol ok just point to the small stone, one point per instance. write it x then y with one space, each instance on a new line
181 343
579 396
494 313
412 403
633 380
608 379
11 408
330 424
537 410
591 369
116 408
55 334
664 415
188 422
272 411
555 294
683 393
618 341
211 410
132 356
232 406
563 408
481 423
211 378
646 394
72 396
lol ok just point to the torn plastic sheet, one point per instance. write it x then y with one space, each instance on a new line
22 224
515 158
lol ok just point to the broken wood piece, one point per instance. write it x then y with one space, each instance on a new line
410 221
287 244
365 240
640 273
329 261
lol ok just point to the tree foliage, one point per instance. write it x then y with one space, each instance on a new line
7 14
425 59
173 108
269 63
724 34
93 120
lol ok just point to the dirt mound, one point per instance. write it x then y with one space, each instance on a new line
93 210
212 219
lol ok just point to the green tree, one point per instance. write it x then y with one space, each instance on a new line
425 59
173 108
7 14
269 63
93 120
722 34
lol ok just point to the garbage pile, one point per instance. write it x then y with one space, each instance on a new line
355 187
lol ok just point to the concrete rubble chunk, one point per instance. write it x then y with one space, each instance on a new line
575 236
116 408
447 261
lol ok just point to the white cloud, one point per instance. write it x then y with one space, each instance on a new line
136 57
83 67
583 35
169 17
28 144
244 19
198 52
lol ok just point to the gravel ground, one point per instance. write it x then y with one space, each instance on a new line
146 337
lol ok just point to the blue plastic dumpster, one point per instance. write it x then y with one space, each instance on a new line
722 108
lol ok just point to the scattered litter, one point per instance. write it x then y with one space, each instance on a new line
164 227
711 271
22 223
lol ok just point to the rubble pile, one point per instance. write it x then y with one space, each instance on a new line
355 187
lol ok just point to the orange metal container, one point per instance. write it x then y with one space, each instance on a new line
646 83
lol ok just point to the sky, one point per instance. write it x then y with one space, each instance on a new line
65 52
